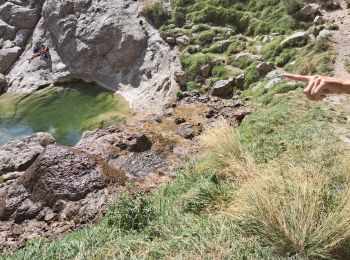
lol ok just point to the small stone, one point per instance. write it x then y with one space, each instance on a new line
240 81
319 20
211 113
265 67
181 78
205 70
308 12
183 40
179 120
186 131
11 176
195 93
171 40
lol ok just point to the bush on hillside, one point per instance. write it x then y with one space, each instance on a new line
155 11
206 37
192 64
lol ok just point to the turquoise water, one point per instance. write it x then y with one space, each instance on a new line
64 111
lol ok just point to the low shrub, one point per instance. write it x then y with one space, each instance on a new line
206 37
192 64
131 213
219 71
156 12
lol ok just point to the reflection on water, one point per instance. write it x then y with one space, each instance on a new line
65 112
12 129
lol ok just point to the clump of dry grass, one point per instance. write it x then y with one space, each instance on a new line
155 11
226 153
298 214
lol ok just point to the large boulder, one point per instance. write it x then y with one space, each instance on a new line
309 12
223 88
18 155
7 32
19 16
7 57
101 41
297 39
58 174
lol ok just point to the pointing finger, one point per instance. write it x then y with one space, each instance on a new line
295 77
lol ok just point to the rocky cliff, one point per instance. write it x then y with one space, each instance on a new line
106 42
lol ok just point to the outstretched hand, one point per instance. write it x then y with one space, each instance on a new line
319 86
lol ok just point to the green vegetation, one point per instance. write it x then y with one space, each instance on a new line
205 37
219 71
156 12
63 111
284 194
276 187
193 63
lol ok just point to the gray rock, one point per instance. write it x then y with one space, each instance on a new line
7 32
7 57
186 131
223 45
297 39
331 4
3 83
205 70
18 155
324 34
309 12
181 78
11 176
179 120
223 88
19 16
183 40
171 40
319 20
265 67
272 82
240 81
22 37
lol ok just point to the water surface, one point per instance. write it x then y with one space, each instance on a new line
64 111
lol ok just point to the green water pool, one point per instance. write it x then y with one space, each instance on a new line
64 111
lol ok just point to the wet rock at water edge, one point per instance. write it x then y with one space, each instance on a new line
18 155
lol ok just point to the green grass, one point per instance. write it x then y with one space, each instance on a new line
195 216
193 63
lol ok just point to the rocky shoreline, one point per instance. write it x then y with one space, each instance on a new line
47 189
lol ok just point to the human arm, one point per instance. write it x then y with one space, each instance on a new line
319 86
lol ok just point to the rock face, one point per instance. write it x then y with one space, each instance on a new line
101 41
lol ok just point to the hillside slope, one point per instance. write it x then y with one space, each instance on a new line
275 187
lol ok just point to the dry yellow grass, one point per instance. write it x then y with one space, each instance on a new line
221 141
298 212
